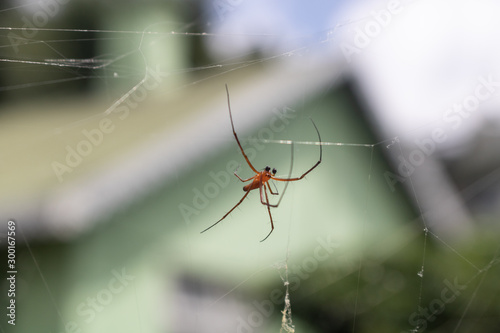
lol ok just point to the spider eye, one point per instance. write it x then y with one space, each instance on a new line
268 168
274 171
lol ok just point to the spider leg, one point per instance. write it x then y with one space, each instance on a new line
228 212
235 136
271 190
270 216
266 186
313 167
261 192
243 180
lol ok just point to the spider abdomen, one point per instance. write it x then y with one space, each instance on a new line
253 185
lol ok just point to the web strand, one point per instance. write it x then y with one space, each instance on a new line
361 256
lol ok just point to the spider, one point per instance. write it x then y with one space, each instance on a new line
261 178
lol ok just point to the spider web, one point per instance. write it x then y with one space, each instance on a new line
114 235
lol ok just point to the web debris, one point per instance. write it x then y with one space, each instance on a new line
286 319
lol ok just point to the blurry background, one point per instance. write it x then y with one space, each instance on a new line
116 151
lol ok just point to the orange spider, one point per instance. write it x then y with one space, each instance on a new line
261 178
